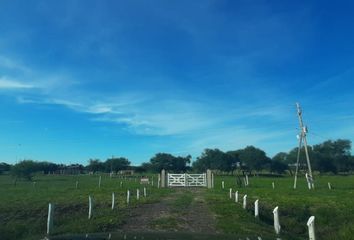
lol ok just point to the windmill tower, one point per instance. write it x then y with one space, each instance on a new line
303 140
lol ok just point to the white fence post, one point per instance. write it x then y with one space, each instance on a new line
144 191
247 180
273 185
137 194
121 184
113 200
222 184
276 220
90 207
230 193
128 197
256 209
236 196
99 182
212 180
50 218
329 186
245 201
311 226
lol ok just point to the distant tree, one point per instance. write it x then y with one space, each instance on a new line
95 165
116 164
333 156
147 167
278 166
4 167
25 169
47 167
254 158
169 162
282 157
214 159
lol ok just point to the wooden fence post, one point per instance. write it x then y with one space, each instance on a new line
50 218
311 226
256 209
113 200
128 197
245 201
90 207
276 220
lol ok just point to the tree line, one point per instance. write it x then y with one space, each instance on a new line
328 156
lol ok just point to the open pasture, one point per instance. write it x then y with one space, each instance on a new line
333 209
24 207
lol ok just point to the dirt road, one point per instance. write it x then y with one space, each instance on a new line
185 210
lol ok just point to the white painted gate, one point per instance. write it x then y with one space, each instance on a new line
186 180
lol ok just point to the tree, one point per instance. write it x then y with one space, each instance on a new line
95 165
24 169
214 159
278 166
4 167
47 167
333 156
169 162
254 158
116 164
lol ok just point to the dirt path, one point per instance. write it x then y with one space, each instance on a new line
185 210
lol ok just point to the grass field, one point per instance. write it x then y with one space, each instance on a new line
24 207
333 209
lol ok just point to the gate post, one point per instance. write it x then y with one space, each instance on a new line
163 178
209 179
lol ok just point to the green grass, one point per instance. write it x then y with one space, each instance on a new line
333 209
24 208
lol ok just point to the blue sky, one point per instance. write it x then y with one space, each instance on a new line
92 79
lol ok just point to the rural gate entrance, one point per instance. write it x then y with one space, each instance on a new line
186 180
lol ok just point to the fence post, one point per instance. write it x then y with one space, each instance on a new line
128 197
90 207
212 180
329 186
247 180
230 193
256 209
273 185
311 226
236 196
137 194
209 178
163 178
99 182
113 200
245 201
222 184
144 191
276 220
50 218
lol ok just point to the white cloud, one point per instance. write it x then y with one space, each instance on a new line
6 83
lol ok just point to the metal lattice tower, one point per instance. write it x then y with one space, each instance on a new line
303 140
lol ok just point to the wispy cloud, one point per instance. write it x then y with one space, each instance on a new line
6 83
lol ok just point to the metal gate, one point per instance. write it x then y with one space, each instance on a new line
186 180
